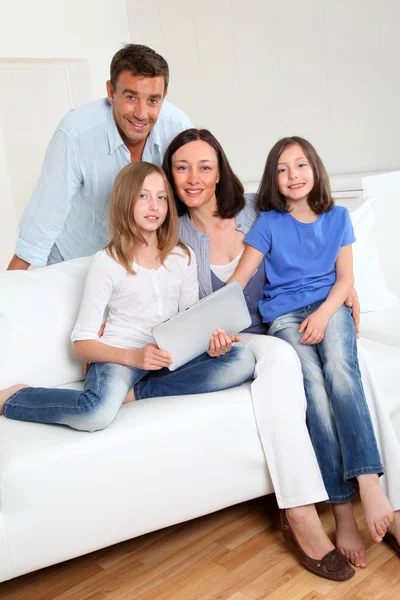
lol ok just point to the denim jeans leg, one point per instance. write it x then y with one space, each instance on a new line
320 420
92 409
338 353
201 375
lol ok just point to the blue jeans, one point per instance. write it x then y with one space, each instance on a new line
107 385
338 418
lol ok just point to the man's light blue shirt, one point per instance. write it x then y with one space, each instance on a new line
69 206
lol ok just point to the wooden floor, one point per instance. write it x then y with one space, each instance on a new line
235 554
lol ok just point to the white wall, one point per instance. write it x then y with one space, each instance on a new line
253 71
54 55
65 29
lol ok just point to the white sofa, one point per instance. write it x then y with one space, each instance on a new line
64 493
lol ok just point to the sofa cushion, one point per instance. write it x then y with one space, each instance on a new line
382 363
38 309
382 325
368 271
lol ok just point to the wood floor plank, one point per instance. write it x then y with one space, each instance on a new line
247 572
313 595
174 571
250 548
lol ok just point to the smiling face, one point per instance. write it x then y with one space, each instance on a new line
295 176
136 103
151 205
196 174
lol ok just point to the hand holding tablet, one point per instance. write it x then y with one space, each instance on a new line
187 335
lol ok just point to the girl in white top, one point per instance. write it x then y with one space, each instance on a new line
144 276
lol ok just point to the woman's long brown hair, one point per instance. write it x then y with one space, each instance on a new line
125 234
229 191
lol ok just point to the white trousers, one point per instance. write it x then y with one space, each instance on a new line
283 432
281 422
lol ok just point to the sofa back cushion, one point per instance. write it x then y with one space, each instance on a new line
385 188
369 274
38 309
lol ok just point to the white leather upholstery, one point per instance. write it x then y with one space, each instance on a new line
38 310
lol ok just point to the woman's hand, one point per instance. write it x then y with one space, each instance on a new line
314 327
221 343
353 303
149 358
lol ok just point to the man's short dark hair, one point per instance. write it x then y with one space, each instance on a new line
139 60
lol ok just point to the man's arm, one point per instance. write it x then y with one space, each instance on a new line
45 214
18 264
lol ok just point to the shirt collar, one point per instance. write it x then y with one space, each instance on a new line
239 220
154 138
114 137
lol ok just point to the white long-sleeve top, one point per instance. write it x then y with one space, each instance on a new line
136 303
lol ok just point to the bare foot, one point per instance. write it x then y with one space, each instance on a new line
348 538
394 528
308 530
130 397
8 392
377 508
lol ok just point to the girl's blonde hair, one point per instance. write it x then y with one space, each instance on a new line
125 234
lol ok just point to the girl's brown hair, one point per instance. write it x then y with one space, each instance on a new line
269 197
125 235
229 191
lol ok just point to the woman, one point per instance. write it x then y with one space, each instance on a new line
215 217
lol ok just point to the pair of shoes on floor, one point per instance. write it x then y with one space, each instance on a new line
390 539
331 566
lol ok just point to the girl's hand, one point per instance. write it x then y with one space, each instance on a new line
353 303
149 358
221 343
314 326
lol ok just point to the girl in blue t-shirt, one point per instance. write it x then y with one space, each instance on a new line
305 241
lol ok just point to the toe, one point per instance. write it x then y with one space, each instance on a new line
360 560
374 534
389 521
380 528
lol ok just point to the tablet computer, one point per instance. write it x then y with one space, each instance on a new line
187 335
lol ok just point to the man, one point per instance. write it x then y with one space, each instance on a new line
67 215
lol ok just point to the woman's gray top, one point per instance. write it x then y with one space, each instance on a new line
200 242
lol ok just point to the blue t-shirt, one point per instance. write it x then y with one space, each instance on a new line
299 257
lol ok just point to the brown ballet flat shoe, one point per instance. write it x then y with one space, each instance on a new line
331 566
390 539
